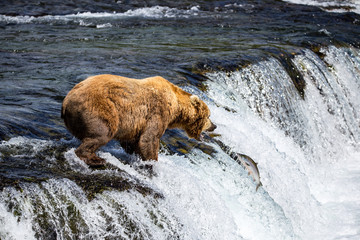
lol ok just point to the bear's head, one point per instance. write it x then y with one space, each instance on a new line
200 121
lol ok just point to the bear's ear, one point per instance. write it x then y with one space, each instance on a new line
195 100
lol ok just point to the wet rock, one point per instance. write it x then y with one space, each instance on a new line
176 142
293 72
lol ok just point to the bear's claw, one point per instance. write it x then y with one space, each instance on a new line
95 161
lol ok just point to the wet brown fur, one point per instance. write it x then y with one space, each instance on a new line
135 112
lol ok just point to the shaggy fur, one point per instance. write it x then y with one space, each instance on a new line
135 112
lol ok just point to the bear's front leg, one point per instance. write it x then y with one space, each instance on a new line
149 143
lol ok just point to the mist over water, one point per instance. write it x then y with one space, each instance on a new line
281 81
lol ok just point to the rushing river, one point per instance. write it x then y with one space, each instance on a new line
281 79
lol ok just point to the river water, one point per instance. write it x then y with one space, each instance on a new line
280 78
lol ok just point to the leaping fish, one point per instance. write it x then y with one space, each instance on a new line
251 167
243 159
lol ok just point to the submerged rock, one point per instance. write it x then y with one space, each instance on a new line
31 162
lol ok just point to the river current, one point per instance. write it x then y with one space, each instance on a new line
282 81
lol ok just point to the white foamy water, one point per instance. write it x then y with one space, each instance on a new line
12 227
332 5
199 193
307 150
85 18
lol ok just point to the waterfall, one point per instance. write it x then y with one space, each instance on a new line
303 133
307 148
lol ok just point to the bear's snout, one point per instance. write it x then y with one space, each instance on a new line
209 126
212 127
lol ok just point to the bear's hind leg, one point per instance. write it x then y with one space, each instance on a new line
86 150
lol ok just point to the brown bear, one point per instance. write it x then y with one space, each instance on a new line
136 112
